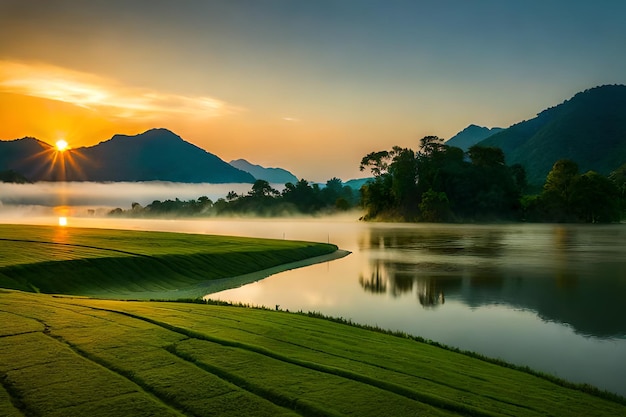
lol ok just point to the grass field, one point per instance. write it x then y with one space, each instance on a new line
63 355
135 264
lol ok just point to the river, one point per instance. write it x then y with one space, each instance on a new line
552 297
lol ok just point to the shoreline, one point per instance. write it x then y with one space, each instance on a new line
204 290
223 284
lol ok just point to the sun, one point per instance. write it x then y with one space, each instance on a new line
61 145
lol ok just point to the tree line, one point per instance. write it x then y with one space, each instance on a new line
302 197
441 183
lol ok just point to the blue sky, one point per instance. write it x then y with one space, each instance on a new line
311 86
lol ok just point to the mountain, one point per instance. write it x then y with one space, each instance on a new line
589 129
27 156
12 176
155 155
357 183
271 175
471 135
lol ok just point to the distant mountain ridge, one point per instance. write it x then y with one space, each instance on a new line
471 135
155 155
589 129
271 175
27 156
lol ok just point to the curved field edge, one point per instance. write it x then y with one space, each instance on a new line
141 265
76 356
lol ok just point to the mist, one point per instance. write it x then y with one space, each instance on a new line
97 195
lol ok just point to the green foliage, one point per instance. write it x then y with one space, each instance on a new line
75 356
618 177
434 207
486 156
438 184
403 171
262 200
376 197
595 199
568 196
134 264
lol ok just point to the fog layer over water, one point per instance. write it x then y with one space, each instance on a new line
117 194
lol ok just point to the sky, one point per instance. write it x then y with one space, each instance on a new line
307 85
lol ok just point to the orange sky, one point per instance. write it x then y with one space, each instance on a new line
308 86
52 103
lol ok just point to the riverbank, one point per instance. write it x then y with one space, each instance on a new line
125 264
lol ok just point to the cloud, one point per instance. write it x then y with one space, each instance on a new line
291 119
104 95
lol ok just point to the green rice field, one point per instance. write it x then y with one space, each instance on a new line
65 356
136 264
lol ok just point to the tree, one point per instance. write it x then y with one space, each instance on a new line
594 199
560 178
394 186
376 196
431 145
486 156
434 207
377 162
332 191
305 197
484 188
261 189
429 161
618 177
556 194
519 175
403 170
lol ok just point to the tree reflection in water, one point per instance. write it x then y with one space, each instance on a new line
398 278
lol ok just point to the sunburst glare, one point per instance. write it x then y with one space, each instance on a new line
61 145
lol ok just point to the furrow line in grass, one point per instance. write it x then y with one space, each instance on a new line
335 355
302 407
2 336
352 359
585 388
82 313
432 400
74 245
16 397
167 402
385 368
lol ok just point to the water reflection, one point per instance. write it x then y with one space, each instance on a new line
566 274
397 278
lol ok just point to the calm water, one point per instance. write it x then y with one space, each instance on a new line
551 297
548 296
